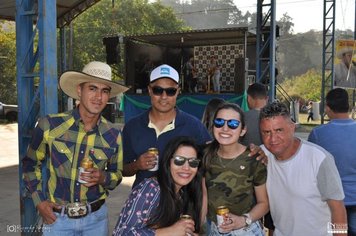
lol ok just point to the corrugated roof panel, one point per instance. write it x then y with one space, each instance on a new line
67 10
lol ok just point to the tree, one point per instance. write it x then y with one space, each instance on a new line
8 88
297 53
285 24
206 14
306 86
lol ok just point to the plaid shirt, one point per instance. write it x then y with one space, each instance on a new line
62 138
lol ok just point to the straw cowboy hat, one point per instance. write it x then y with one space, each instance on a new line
94 71
340 53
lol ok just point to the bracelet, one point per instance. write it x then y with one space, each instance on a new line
248 219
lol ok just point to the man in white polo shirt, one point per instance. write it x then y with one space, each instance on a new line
303 184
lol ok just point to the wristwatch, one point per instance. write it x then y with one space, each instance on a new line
248 219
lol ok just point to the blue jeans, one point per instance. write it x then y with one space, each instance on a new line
351 220
95 223
254 229
216 82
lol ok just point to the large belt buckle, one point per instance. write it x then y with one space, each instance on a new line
77 210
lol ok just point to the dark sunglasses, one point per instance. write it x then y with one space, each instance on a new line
158 91
179 161
232 124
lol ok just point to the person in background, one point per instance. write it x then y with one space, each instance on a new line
257 98
310 111
190 76
214 74
155 206
145 73
345 71
159 124
232 178
74 203
209 112
304 187
338 137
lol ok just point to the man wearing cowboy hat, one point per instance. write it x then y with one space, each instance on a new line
70 202
345 70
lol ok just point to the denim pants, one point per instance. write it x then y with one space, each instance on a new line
351 220
216 82
254 229
95 223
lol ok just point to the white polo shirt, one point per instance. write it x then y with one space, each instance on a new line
298 189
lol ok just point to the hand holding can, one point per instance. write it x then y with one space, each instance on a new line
186 217
154 151
86 163
222 213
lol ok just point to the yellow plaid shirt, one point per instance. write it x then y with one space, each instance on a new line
62 142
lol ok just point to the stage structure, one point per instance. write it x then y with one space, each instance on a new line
229 58
234 49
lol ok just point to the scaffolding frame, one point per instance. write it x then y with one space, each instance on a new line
327 80
266 43
36 57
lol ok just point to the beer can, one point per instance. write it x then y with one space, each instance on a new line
154 151
85 164
221 213
185 217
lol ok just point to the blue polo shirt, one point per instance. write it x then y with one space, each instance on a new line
137 137
338 137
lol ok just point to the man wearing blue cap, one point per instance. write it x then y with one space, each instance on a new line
156 126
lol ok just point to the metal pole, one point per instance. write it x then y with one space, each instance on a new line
25 88
34 18
63 57
272 53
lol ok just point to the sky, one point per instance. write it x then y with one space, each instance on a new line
307 14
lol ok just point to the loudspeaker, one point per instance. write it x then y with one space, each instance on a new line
239 75
109 112
112 50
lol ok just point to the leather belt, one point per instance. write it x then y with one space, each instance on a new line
78 210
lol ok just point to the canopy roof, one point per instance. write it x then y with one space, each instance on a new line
67 10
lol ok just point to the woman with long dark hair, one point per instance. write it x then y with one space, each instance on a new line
156 205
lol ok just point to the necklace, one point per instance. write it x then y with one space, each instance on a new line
228 164
232 160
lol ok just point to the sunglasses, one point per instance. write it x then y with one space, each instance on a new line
232 124
158 91
179 161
